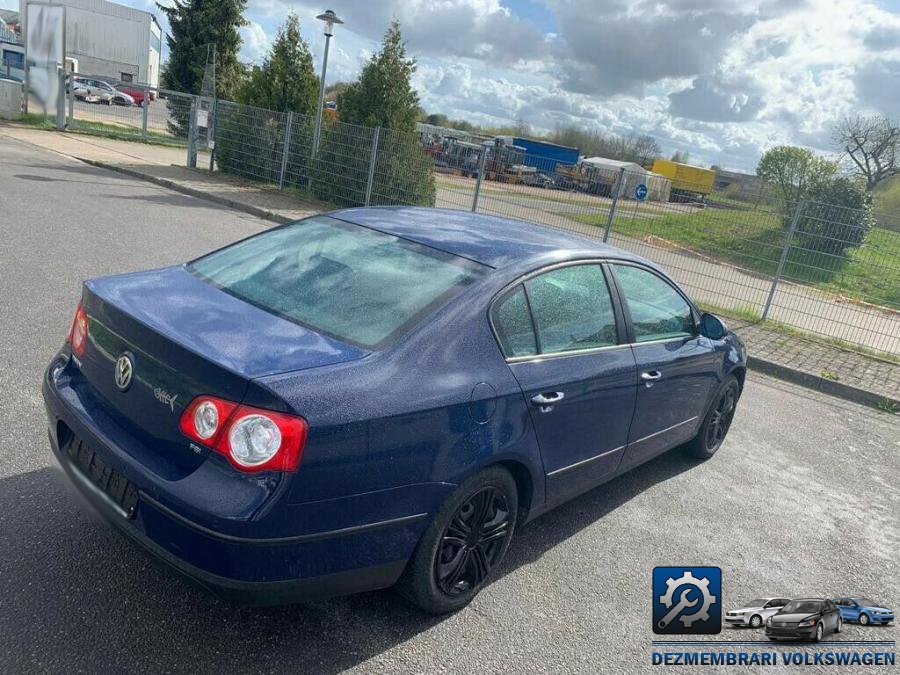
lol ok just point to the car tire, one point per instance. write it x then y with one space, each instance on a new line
864 619
717 422
840 625
820 632
447 570
756 621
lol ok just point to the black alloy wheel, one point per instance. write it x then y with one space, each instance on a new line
717 421
472 542
722 414
462 548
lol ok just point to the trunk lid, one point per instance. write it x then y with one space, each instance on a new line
184 337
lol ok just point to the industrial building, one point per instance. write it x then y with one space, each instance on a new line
110 40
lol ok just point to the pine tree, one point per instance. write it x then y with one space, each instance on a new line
383 96
286 80
196 24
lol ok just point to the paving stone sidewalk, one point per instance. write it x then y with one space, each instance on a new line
788 355
819 365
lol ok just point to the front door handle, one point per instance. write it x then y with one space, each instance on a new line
547 400
651 376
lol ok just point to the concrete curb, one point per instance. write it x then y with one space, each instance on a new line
199 194
818 383
777 370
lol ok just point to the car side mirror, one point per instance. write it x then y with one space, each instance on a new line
712 327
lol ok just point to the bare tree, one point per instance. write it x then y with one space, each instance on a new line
872 144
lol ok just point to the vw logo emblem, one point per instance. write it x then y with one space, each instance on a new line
124 372
783 624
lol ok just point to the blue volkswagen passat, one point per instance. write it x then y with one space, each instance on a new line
377 396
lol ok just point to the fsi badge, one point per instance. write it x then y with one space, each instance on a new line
687 600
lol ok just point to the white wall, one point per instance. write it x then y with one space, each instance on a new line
109 39
11 98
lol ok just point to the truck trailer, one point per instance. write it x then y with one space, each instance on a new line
689 183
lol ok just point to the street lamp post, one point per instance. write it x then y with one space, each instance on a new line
331 19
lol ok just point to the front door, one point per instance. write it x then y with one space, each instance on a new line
676 367
560 334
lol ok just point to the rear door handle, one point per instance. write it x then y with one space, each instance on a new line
547 400
651 376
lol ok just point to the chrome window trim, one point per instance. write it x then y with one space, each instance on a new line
695 311
501 294
594 350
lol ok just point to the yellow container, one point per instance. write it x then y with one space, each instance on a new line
685 177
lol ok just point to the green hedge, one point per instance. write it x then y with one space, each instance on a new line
250 141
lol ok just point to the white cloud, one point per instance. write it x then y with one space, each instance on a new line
255 42
722 79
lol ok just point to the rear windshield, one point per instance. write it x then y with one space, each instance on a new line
357 284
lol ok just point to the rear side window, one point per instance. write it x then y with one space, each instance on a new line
357 284
572 309
513 323
658 311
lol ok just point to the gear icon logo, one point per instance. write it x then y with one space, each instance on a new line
687 600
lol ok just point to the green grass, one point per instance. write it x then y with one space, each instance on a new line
888 406
755 239
105 130
741 312
887 204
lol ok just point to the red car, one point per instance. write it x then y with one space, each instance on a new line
137 93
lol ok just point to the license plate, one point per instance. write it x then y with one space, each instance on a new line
109 481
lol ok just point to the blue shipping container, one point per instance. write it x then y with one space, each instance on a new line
545 156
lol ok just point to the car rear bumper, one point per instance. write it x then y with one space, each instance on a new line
241 566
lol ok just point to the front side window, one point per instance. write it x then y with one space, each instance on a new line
658 312
348 281
572 309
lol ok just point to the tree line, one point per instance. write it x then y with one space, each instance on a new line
286 79
837 207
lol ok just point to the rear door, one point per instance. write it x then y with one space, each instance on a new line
676 367
560 332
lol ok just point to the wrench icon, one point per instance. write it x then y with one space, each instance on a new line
680 605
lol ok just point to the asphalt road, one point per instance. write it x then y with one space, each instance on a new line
801 500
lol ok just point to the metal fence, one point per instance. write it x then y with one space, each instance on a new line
810 266
102 106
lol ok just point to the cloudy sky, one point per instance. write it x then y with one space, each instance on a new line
721 79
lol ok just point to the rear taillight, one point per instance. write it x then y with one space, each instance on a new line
78 334
252 439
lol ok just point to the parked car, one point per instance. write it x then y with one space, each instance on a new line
136 93
863 610
541 180
91 90
755 612
115 95
806 618
377 396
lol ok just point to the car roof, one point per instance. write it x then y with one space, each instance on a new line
489 240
